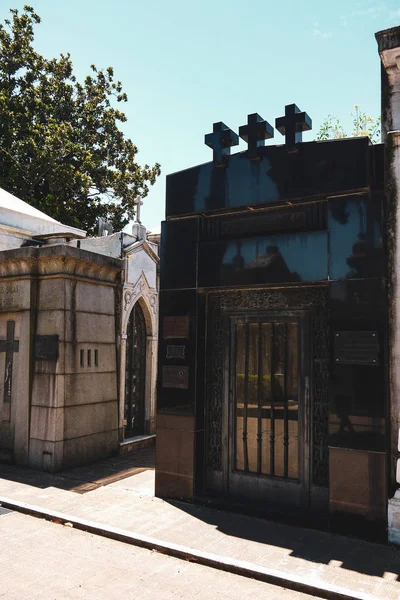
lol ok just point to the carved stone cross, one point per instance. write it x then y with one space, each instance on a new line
255 133
220 140
293 124
139 202
9 346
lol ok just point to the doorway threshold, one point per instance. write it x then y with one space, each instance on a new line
136 442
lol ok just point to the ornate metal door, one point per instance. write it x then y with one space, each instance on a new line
135 373
268 452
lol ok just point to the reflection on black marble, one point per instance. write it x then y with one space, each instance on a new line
357 408
290 257
178 256
315 169
354 300
355 238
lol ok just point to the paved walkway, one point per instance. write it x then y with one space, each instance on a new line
120 493
45 561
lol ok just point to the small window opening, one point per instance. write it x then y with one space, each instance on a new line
89 358
82 358
96 358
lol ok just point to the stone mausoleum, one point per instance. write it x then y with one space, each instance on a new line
78 339
279 388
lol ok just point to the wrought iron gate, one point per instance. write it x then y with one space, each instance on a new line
135 373
221 304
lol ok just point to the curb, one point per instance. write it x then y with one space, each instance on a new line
275 577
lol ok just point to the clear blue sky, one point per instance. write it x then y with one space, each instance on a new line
185 65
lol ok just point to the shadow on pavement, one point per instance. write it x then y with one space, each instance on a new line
312 545
90 477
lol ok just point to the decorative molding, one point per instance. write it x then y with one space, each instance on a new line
132 293
45 266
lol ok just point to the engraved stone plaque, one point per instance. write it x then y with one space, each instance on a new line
175 351
175 327
175 377
46 347
356 347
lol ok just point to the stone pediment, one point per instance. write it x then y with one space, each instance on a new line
141 261
142 246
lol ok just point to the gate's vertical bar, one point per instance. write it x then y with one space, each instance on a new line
285 400
246 397
259 399
272 412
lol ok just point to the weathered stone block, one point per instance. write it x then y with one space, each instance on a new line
15 295
85 327
87 419
48 389
52 294
51 322
77 358
95 298
89 448
86 388
45 455
47 423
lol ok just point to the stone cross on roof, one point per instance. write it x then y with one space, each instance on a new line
293 124
138 202
255 133
220 140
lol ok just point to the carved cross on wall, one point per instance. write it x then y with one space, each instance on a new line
255 133
293 124
221 140
9 346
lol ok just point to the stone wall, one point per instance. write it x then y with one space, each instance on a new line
64 405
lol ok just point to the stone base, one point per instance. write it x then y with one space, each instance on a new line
394 519
136 443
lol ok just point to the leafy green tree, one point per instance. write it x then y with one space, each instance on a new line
61 149
363 124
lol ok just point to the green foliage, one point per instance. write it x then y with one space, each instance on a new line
61 149
363 125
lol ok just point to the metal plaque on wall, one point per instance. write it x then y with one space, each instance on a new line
175 327
175 377
356 347
46 347
174 351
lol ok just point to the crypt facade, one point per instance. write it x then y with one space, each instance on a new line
278 384
78 335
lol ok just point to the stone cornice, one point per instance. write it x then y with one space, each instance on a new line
59 261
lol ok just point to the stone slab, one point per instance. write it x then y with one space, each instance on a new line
89 448
89 387
87 419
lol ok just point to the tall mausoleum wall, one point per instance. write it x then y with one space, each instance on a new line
64 392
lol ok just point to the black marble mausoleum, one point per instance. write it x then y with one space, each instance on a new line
272 355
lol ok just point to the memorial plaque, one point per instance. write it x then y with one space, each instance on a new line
174 351
175 327
175 377
46 347
356 347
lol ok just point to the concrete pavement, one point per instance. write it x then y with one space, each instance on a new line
119 493
44 561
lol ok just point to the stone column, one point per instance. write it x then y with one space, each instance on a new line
389 50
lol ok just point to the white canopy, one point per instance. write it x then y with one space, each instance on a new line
18 215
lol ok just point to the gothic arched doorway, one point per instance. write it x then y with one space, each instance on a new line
135 373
